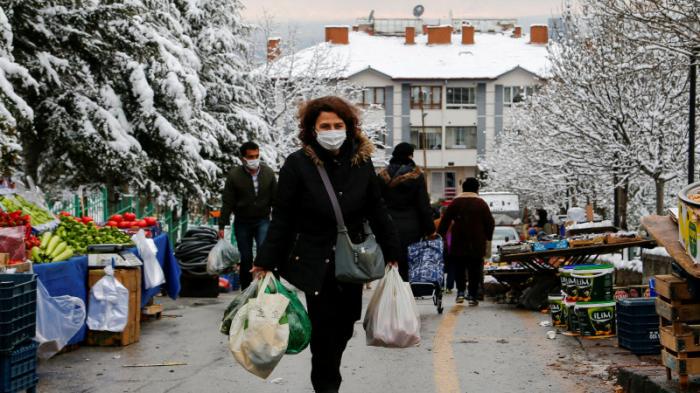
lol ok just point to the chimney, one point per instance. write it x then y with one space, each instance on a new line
273 48
539 34
517 32
337 35
410 35
467 35
356 28
439 35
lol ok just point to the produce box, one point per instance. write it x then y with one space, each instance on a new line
17 309
689 219
131 279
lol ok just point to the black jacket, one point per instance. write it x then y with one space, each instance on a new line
406 196
239 195
301 238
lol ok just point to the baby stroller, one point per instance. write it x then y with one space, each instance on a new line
425 270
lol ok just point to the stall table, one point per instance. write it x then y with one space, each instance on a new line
70 278
538 262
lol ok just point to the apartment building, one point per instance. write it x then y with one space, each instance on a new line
446 90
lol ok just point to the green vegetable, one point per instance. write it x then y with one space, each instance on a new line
59 249
67 254
45 239
35 254
55 240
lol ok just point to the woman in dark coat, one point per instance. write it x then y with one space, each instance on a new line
406 195
301 239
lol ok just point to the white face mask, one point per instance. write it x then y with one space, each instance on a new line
331 140
252 164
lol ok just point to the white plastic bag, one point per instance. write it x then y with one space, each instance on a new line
222 257
259 332
392 318
152 272
108 307
58 319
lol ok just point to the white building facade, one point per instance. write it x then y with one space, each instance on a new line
448 94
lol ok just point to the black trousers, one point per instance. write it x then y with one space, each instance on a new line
470 267
333 312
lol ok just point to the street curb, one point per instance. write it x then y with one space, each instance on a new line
649 380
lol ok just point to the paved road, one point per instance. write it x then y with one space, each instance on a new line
490 348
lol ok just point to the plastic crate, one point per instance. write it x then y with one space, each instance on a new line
18 369
639 347
17 309
637 311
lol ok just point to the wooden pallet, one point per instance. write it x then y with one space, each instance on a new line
152 311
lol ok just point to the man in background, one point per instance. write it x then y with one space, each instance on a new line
472 232
248 194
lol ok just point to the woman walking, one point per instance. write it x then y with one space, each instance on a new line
301 239
406 196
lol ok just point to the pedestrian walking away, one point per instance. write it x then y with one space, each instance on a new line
406 196
449 267
472 232
301 242
248 194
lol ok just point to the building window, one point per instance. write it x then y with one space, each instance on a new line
430 97
515 94
461 138
372 96
432 138
461 97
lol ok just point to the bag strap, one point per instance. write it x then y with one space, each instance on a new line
334 200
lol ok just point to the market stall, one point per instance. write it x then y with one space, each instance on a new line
70 277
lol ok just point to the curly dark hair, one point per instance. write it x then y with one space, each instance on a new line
310 110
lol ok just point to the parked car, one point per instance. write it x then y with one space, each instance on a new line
503 235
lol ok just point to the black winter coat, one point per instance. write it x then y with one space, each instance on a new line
301 239
406 196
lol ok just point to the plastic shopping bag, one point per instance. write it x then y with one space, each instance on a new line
235 306
259 332
392 318
152 272
222 257
299 321
12 242
108 307
58 319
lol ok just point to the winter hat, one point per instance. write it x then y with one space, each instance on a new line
402 151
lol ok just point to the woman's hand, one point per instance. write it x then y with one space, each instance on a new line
258 271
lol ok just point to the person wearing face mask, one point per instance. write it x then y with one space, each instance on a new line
300 245
248 194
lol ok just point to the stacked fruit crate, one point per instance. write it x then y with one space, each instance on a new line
17 329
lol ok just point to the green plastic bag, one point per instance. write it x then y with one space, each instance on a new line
236 305
298 319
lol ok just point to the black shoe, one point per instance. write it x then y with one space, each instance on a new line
460 298
473 302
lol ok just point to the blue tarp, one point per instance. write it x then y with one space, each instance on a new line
70 277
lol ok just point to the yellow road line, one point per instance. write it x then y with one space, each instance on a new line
445 372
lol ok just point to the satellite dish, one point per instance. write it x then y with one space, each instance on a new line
371 16
418 11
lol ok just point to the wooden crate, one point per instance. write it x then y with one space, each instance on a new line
684 364
131 279
672 287
687 340
676 311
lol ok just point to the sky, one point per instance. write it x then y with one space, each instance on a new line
304 19
337 10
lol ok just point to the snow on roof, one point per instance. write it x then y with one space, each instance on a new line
338 26
491 56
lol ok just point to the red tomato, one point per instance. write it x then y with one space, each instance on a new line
116 218
112 223
87 219
141 223
151 221
123 224
129 216
64 214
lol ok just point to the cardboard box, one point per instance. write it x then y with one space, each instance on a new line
24 267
